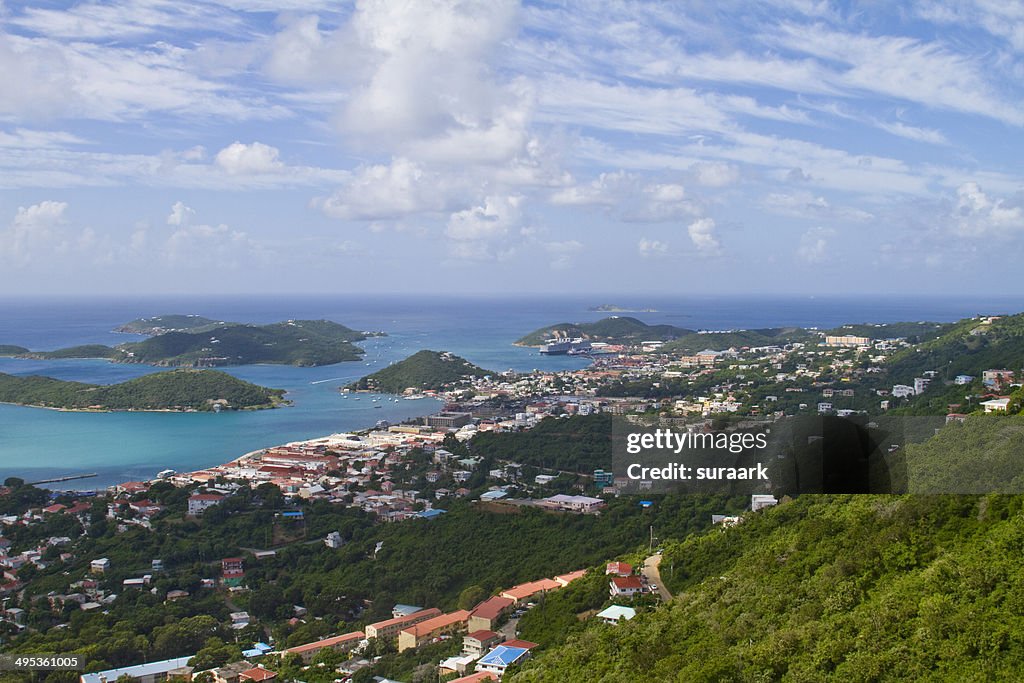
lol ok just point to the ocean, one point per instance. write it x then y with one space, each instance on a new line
40 444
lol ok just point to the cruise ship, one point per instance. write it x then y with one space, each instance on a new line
555 347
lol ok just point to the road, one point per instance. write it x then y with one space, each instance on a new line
650 570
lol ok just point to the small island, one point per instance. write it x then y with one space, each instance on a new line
612 330
612 308
422 370
175 390
303 343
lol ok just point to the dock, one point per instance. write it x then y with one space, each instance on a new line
69 477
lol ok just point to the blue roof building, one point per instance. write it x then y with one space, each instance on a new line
502 657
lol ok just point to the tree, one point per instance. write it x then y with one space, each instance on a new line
471 596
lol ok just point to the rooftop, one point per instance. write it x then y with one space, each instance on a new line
504 655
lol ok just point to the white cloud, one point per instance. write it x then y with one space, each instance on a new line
702 234
906 68
493 219
975 214
648 248
180 214
814 245
207 246
390 191
241 159
715 173
35 232
803 204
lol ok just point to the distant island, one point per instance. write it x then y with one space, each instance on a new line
294 342
613 330
422 370
175 390
612 308
162 324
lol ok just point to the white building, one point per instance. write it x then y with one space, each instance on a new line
612 615
902 391
334 540
575 503
758 501
995 405
199 502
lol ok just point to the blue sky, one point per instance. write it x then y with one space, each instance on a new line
788 146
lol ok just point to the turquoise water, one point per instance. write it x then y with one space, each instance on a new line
38 444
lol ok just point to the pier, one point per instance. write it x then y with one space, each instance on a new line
69 477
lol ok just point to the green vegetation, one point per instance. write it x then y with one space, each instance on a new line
826 588
11 350
771 336
295 342
162 324
577 444
84 351
982 454
913 332
614 330
175 390
968 347
422 370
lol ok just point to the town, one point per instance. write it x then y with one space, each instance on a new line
419 470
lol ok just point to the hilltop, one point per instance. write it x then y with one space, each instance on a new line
613 330
294 342
173 390
422 370
161 324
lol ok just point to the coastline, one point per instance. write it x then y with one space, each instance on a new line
140 410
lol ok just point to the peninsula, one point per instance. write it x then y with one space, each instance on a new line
293 342
422 370
175 390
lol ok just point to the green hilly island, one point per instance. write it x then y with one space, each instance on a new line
293 342
173 390
613 330
422 370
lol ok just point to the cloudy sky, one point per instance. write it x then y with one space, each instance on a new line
443 146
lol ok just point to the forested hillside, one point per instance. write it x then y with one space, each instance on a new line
580 444
826 588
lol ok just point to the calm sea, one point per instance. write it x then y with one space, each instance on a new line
39 444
